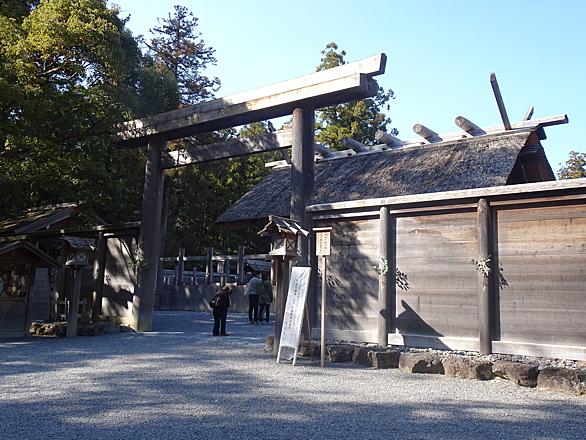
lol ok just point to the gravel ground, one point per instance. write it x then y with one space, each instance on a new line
179 382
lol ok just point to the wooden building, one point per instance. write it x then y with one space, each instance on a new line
18 264
493 248
53 234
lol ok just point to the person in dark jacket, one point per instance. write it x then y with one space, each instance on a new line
220 304
265 299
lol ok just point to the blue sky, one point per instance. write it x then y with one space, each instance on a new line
440 53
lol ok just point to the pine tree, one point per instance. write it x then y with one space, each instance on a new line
358 120
177 46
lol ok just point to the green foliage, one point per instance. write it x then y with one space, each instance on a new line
68 72
358 120
204 191
575 166
178 46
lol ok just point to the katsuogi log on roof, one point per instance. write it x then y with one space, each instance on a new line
485 161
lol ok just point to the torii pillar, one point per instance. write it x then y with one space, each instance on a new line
302 171
147 257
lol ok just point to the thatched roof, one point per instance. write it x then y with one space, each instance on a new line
477 162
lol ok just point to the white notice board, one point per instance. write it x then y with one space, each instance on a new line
293 317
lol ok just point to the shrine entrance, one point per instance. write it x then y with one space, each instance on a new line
299 97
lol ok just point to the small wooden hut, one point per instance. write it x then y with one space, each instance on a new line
18 264
54 232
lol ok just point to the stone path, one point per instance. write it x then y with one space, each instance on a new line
179 382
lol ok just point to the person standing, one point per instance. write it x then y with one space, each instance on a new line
253 289
220 304
265 299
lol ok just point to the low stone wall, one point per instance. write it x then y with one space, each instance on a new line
545 374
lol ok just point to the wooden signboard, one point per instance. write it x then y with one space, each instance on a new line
293 318
322 242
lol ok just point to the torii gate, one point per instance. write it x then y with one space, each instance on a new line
299 97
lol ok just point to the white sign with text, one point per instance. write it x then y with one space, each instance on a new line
293 317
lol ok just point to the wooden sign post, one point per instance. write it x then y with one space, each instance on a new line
293 317
322 247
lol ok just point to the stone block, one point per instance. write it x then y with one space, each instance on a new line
521 374
360 356
307 349
426 363
384 359
465 368
562 380
339 353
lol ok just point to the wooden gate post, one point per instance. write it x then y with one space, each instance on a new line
180 268
383 292
240 265
99 275
302 172
484 283
71 331
143 303
210 267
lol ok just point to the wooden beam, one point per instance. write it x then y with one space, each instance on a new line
529 113
389 139
507 192
499 101
328 87
323 150
353 144
484 282
426 133
469 127
231 148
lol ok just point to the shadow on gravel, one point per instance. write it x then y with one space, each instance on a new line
179 382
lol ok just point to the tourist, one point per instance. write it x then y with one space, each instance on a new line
220 304
265 299
253 288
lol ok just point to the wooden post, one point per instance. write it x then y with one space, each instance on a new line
150 226
180 267
383 293
302 171
163 237
74 304
324 308
240 266
99 275
226 277
210 266
484 283
281 302
392 274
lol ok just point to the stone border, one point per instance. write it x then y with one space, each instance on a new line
559 379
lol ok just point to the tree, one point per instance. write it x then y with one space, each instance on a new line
358 120
69 70
177 46
575 166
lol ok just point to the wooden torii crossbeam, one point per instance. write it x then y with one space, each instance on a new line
328 87
299 97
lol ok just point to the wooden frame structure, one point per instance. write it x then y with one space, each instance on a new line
299 97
